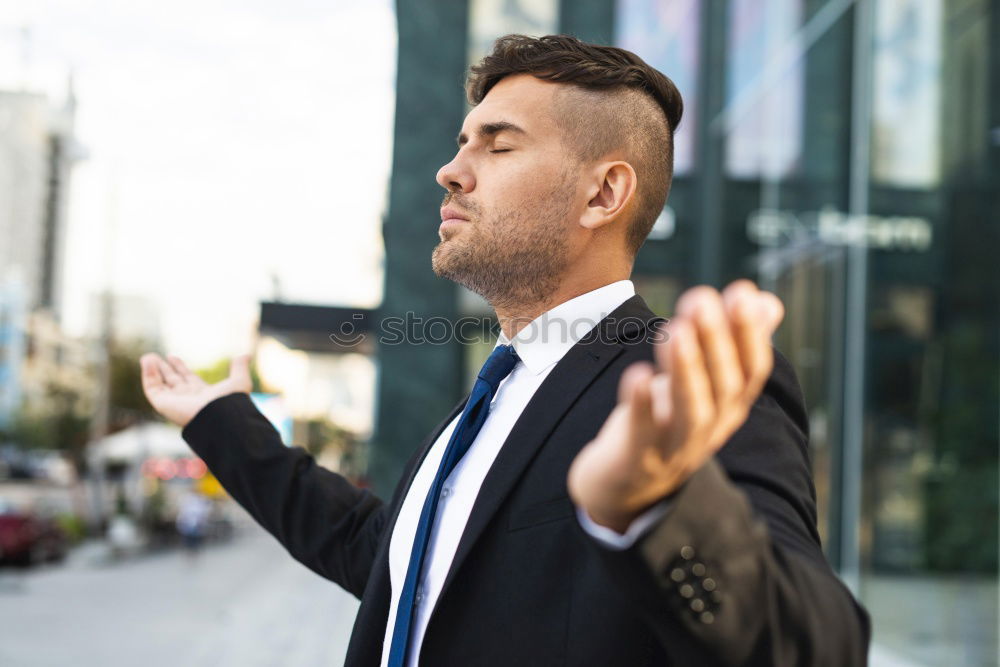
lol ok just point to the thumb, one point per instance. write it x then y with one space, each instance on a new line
634 390
772 309
239 372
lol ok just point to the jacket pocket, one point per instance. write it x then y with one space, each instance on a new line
539 513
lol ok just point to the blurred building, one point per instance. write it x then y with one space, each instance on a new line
844 155
57 368
37 152
319 363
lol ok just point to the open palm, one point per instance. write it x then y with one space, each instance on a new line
673 416
178 394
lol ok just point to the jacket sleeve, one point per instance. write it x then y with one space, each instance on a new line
325 522
734 573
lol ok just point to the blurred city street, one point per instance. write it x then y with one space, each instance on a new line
245 602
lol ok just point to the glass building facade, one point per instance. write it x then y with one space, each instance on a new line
844 155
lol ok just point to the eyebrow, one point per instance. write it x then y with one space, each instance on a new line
491 129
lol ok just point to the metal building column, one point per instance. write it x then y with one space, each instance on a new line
419 382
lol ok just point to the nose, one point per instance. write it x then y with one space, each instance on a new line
456 176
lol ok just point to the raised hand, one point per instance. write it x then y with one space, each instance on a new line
178 394
670 419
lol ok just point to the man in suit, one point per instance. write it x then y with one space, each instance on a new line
611 492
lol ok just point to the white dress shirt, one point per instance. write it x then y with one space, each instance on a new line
539 345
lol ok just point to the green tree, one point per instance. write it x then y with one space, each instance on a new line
128 404
220 371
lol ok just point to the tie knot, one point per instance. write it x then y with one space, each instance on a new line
501 362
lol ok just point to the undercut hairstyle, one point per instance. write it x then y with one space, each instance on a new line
613 101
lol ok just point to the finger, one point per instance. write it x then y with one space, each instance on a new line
634 391
754 322
739 301
773 309
770 312
693 404
715 336
170 376
660 386
180 368
662 349
662 397
239 370
766 308
152 379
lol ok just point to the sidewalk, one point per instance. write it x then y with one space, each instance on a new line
243 603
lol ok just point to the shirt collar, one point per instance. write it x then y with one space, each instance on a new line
549 336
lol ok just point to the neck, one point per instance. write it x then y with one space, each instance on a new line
515 316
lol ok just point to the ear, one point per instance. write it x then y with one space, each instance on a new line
612 191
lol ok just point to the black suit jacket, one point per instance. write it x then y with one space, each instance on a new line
732 575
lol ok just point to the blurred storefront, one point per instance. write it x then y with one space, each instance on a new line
840 153
318 363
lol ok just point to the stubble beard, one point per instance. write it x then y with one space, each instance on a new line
514 258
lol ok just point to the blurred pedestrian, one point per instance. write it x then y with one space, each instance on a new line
192 520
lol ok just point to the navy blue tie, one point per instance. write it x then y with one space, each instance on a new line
497 367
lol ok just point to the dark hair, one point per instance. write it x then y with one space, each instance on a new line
607 71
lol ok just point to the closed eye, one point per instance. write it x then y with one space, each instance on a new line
501 150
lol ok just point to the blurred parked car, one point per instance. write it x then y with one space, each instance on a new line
27 538
17 463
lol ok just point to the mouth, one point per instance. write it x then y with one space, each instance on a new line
451 219
451 214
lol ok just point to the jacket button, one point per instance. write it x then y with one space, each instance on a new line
687 552
708 584
677 574
697 605
686 591
707 617
698 569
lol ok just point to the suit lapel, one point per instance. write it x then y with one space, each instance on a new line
373 615
571 376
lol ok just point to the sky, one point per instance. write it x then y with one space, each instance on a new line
225 143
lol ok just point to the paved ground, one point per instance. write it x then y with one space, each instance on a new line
935 621
247 603
243 603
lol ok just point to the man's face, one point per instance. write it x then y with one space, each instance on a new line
508 217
